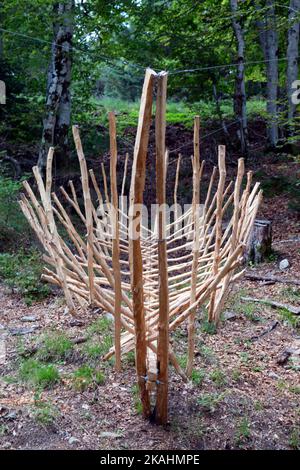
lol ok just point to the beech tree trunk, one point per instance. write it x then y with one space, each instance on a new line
269 42
292 55
240 91
260 242
58 101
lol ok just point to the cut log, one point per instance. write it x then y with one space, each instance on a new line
260 242
271 279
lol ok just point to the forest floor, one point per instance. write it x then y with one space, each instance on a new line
245 386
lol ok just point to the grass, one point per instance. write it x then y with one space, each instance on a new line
100 326
295 439
289 318
22 271
210 401
44 412
218 377
236 375
37 374
136 399
86 376
197 377
55 346
243 431
208 327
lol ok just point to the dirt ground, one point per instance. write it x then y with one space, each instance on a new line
240 395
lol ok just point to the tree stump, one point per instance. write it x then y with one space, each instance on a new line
260 242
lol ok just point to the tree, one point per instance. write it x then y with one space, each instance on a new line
269 42
240 90
292 55
58 102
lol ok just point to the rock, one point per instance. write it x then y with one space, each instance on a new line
291 353
273 375
227 315
73 440
29 318
76 322
284 264
20 330
109 317
110 434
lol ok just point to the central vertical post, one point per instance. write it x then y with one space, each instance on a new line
161 412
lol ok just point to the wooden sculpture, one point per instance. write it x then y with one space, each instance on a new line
151 280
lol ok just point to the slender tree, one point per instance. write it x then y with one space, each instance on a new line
292 55
269 42
240 90
58 100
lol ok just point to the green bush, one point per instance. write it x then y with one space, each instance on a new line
23 271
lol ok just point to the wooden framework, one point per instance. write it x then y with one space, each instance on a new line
150 280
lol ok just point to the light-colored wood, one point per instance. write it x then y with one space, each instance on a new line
161 411
150 280
195 244
88 210
116 236
135 254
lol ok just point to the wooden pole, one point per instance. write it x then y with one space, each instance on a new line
135 252
196 236
88 211
161 414
115 238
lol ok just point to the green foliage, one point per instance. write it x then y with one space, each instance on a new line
13 225
44 412
37 374
55 346
236 375
130 358
209 402
295 439
208 327
218 377
136 399
100 326
86 376
23 270
197 377
243 431
289 318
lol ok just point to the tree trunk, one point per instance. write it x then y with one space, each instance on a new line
269 43
240 92
58 102
292 56
260 242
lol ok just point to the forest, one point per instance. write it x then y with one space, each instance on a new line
149 225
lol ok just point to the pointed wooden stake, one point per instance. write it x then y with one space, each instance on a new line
161 413
115 237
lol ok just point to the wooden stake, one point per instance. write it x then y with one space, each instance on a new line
135 253
196 236
116 236
161 414
88 210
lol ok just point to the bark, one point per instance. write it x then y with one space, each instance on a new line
269 43
58 101
292 55
240 91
